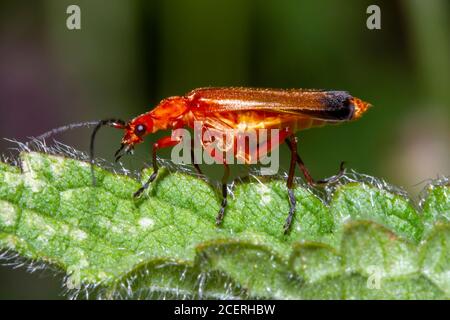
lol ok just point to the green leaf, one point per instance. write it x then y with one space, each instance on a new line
366 243
362 201
436 206
435 257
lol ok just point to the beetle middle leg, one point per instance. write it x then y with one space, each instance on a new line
226 175
196 166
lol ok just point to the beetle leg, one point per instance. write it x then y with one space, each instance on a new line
196 166
226 175
292 142
308 176
164 142
311 181
334 178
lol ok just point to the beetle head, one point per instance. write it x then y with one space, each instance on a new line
135 130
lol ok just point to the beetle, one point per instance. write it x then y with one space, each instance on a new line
220 109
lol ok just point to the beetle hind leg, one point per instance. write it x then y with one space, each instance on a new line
305 171
334 178
313 182
291 141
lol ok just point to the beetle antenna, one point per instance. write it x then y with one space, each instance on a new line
62 129
115 123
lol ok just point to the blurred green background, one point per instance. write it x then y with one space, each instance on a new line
131 54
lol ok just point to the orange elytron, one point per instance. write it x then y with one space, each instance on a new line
221 109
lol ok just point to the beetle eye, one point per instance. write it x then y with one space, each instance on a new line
140 129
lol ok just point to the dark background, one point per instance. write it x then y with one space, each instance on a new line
131 54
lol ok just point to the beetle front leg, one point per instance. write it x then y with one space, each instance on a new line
165 142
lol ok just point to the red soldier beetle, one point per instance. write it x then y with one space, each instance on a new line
224 108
